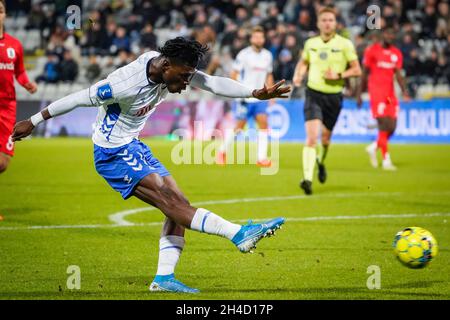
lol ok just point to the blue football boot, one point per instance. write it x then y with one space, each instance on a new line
168 283
247 237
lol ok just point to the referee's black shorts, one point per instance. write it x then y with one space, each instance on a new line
323 106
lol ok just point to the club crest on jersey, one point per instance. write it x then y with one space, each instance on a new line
104 92
323 55
11 53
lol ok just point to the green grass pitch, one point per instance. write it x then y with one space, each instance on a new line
54 183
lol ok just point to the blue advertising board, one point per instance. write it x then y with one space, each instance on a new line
418 122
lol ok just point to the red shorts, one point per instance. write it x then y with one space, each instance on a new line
384 106
7 122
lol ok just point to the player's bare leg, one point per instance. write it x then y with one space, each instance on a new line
312 128
386 128
221 157
263 140
153 190
4 161
326 140
165 195
371 149
172 240
171 246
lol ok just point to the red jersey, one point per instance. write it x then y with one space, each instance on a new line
11 65
382 63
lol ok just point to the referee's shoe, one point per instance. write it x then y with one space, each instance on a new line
306 185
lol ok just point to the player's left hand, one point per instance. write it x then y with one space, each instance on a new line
275 91
31 87
22 129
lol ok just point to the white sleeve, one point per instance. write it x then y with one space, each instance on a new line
70 102
270 66
238 63
78 99
221 86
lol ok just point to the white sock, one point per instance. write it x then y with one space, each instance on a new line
170 248
208 222
263 140
229 137
309 160
387 159
372 147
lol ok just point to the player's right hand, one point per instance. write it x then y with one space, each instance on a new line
275 91
22 129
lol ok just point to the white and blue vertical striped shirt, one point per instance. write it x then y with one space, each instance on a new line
126 98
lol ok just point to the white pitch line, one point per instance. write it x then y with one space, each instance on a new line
119 217
294 219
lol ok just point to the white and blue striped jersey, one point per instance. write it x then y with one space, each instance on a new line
126 98
253 67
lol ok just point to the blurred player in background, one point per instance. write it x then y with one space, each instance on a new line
11 66
325 59
382 61
253 67
125 100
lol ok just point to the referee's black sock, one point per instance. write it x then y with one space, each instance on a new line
323 154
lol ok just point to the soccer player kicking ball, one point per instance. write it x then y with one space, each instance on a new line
383 61
125 100
325 59
11 66
253 67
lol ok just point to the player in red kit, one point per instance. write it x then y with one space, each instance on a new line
11 66
382 62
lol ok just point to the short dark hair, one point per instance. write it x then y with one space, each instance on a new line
189 52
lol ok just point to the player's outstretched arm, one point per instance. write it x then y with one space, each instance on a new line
229 88
275 91
24 128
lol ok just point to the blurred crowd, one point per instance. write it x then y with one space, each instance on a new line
115 32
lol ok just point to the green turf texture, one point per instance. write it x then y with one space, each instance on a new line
54 182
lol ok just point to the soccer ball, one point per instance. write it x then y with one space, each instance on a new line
415 247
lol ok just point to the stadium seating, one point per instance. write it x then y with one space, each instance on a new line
36 41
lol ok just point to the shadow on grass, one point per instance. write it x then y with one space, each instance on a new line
20 211
334 293
416 284
140 292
